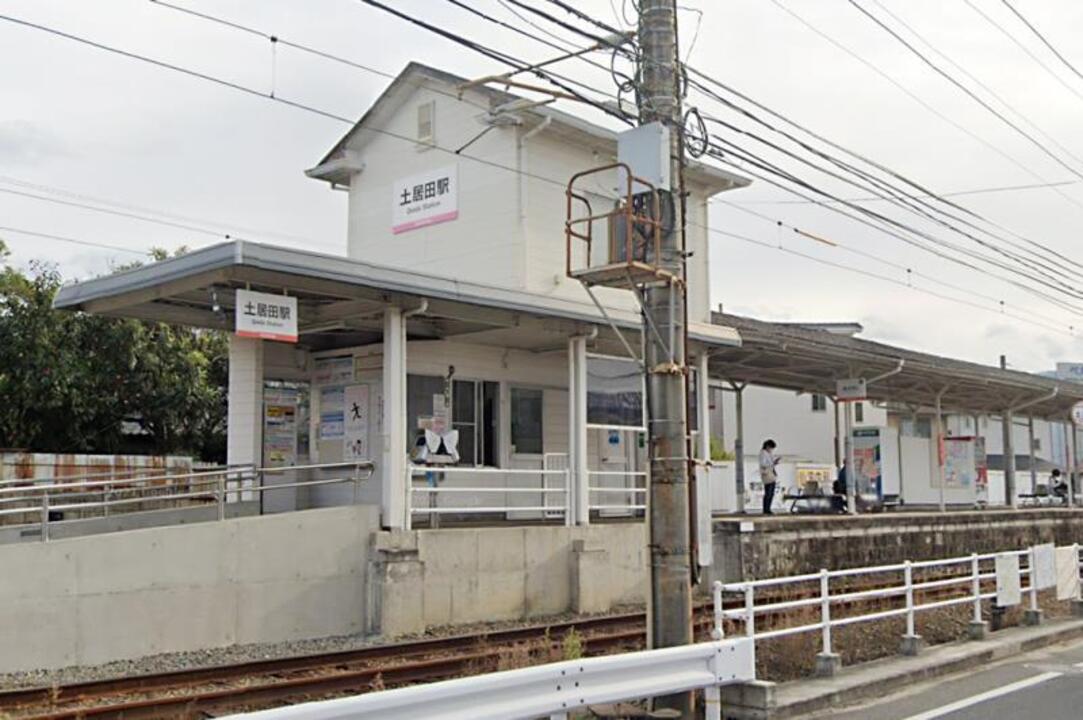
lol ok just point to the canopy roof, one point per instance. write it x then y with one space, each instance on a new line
805 359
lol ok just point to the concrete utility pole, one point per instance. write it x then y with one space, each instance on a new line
670 611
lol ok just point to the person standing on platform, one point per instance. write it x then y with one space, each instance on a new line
768 474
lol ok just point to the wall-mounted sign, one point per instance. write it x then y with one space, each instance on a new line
356 429
850 389
1077 414
425 199
266 316
333 371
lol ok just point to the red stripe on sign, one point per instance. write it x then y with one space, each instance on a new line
281 337
414 225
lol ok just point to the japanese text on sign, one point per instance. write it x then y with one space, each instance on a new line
266 316
425 199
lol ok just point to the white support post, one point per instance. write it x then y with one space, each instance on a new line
244 416
1074 456
908 574
712 703
577 429
851 469
1033 464
705 546
978 627
739 446
939 450
750 619
394 483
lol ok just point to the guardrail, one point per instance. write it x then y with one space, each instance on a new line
553 691
970 579
218 486
636 495
433 490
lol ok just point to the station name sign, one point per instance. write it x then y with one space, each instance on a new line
425 199
266 316
850 389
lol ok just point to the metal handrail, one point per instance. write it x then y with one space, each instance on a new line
825 599
114 474
415 471
228 483
126 481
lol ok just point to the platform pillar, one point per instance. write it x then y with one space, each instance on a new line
578 475
244 416
393 481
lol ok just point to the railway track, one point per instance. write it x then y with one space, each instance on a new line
214 691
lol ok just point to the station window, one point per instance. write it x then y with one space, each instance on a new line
859 412
526 421
1037 444
615 392
474 414
819 403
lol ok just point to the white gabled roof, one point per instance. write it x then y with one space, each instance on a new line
343 158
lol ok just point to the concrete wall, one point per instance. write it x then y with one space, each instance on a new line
791 546
445 577
129 594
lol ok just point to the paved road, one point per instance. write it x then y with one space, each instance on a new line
1043 685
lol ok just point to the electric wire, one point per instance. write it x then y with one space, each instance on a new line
967 91
1045 41
74 241
919 100
258 93
955 193
1015 41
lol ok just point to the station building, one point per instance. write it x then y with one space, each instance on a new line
452 311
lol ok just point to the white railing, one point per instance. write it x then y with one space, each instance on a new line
494 499
968 579
629 497
221 487
548 691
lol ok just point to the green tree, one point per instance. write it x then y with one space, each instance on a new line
72 382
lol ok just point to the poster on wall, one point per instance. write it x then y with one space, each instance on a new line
425 199
332 413
279 433
356 427
867 459
960 468
333 371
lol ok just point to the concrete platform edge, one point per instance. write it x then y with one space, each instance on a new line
874 679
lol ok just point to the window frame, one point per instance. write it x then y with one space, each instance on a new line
512 449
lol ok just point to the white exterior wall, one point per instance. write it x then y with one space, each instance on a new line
510 229
485 243
789 420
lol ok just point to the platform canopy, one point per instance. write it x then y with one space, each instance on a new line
341 301
811 359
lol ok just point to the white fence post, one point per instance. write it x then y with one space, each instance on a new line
569 507
408 501
825 609
712 703
908 573
750 619
977 625
220 496
716 591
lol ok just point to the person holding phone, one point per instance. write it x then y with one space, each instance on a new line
768 474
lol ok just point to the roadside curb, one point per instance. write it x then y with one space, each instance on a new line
770 701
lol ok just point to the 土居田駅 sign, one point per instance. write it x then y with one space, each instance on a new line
266 316
425 199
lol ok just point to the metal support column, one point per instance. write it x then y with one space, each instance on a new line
664 307
940 449
739 446
1033 465
851 470
1009 457
1072 472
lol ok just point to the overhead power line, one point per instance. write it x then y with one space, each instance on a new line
250 91
967 91
957 193
74 241
1043 38
927 106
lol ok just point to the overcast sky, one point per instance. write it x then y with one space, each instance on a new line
76 121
